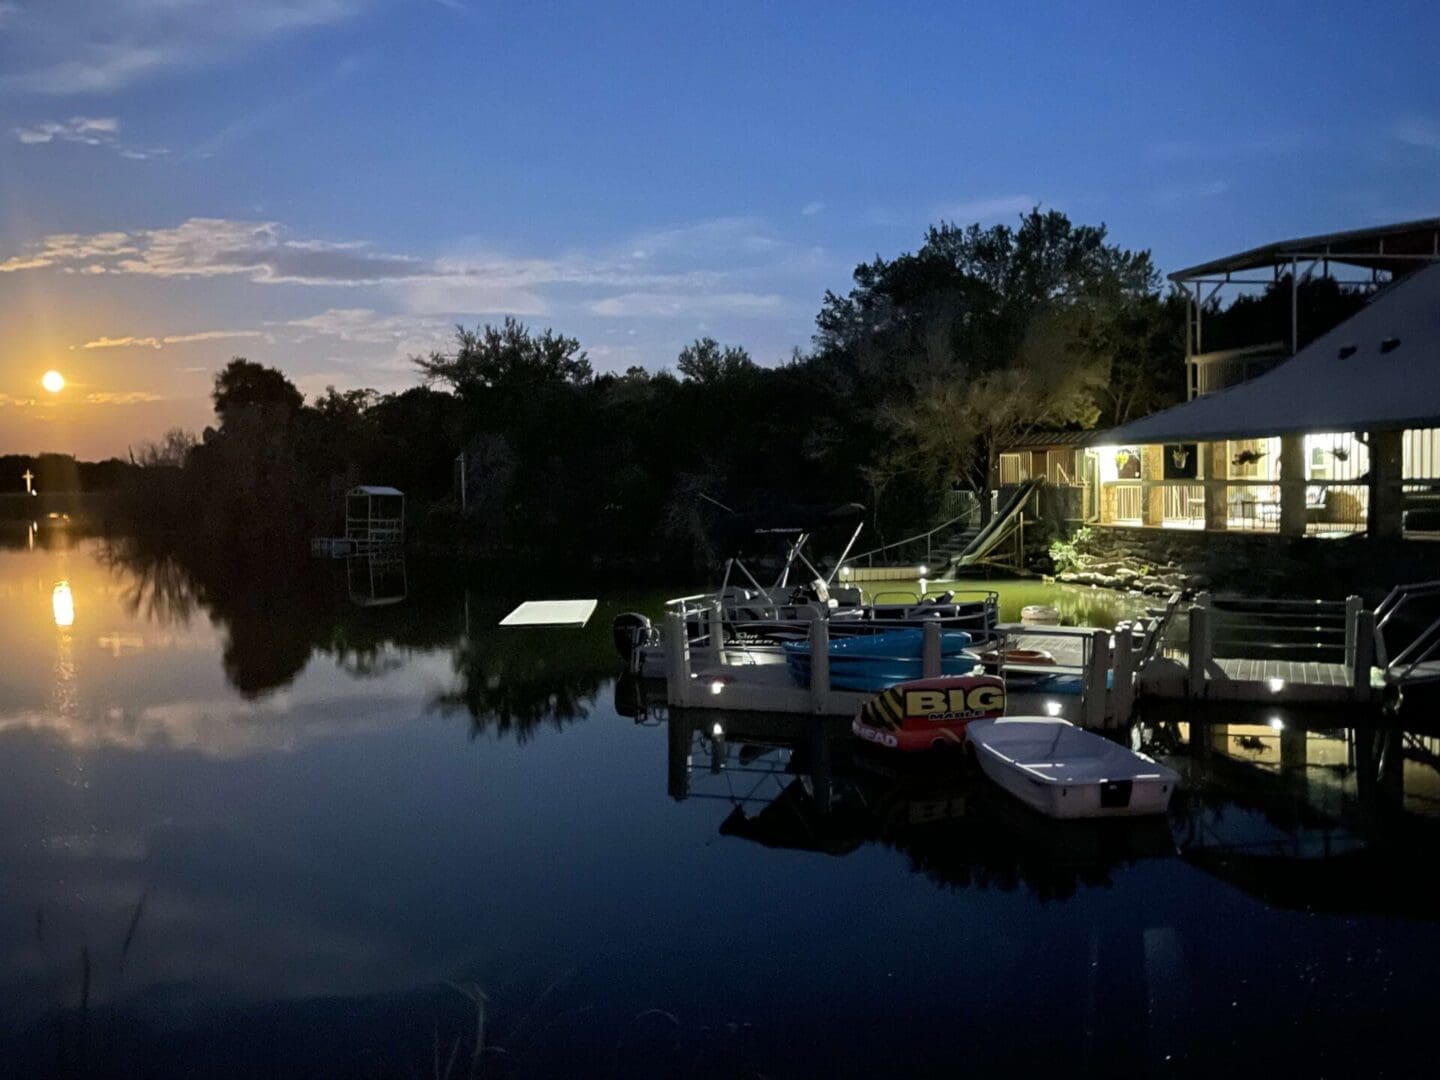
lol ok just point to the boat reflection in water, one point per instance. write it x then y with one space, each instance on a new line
807 784
1313 818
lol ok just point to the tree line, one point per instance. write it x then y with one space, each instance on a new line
929 362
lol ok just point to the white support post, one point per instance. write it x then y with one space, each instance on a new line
930 651
819 665
677 661
1123 696
1200 646
1097 672
1353 607
1364 657
716 630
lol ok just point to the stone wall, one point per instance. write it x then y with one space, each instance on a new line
1160 561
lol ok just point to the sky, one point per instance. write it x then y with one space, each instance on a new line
329 186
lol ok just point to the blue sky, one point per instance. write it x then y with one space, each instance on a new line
328 185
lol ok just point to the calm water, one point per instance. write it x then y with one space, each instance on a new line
259 827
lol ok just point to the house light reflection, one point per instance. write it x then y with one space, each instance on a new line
62 605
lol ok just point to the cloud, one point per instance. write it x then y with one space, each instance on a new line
810 209
103 131
104 342
406 334
129 397
686 305
1421 132
97 46
91 130
210 247
991 208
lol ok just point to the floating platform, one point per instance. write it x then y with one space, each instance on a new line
551 613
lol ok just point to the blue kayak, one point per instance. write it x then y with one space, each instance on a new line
873 662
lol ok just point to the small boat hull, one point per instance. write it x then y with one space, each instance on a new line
927 714
874 662
1064 772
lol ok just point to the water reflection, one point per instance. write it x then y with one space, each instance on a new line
317 855
1319 818
62 605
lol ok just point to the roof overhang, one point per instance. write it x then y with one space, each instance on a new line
1377 371
1383 247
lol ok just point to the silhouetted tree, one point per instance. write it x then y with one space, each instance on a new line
245 383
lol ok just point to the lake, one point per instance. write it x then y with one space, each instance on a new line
272 824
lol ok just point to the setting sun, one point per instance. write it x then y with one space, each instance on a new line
53 381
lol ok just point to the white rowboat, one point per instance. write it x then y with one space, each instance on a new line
1064 772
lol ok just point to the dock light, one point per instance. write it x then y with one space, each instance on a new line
718 731
924 571
716 686
1053 708
844 571
1277 724
1275 685
62 605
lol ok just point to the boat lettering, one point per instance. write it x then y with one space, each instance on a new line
943 705
884 738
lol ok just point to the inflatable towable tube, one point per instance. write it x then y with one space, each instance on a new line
928 713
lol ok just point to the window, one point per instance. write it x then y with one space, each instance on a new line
1014 469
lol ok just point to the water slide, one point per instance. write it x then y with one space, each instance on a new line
997 530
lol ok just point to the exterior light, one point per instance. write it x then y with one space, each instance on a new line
924 570
718 731
715 688
1053 708
1275 685
1277 724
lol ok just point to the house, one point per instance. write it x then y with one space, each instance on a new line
1338 437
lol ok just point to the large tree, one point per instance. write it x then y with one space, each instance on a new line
244 383
985 333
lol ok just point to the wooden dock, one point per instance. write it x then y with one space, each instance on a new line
1287 633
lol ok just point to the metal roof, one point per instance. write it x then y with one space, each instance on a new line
1047 440
367 489
1383 247
1378 370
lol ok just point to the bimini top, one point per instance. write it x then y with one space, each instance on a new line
1378 370
368 489
1383 247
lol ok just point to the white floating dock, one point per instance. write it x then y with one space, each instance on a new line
551 613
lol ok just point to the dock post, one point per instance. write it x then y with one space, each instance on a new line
1364 655
1200 646
716 630
1097 672
1122 698
930 650
677 660
819 665
678 736
1353 607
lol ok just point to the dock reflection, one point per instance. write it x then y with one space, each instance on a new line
1299 815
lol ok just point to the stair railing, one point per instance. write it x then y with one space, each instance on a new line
970 516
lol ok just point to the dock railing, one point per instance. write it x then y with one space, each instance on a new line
1271 649
1407 633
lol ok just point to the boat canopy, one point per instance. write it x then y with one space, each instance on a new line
787 520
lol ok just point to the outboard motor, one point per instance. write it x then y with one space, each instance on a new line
630 630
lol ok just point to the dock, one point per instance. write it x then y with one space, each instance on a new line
1218 649
700 675
1244 649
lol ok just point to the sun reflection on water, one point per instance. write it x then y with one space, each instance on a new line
62 605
